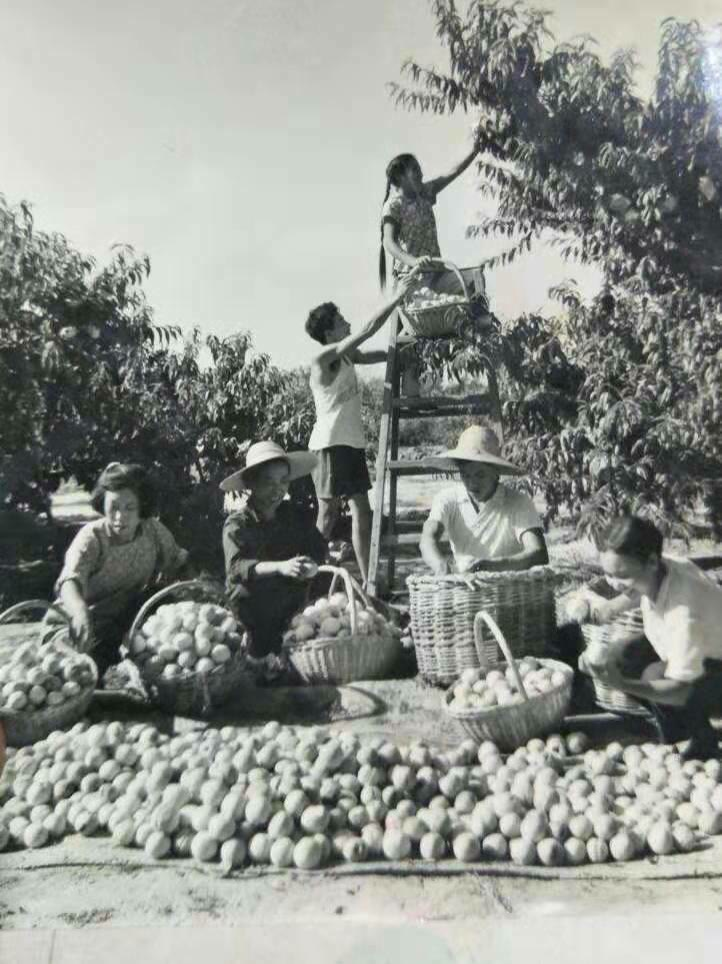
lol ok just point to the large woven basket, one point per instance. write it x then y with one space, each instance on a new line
443 609
511 726
343 659
443 319
191 693
607 697
23 727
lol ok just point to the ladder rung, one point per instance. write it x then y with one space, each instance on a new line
406 539
408 525
438 407
407 467
400 539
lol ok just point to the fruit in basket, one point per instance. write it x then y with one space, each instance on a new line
484 689
187 636
425 297
595 655
38 678
331 617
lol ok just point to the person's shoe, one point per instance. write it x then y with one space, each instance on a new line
478 306
701 748
668 724
340 551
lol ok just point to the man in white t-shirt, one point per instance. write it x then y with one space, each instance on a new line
676 667
491 526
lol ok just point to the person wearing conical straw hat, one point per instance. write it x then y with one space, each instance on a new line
271 547
491 526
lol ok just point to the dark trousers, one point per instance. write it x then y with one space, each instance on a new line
636 654
265 608
674 723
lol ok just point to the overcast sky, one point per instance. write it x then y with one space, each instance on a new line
243 145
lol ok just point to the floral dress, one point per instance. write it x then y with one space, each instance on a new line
112 576
415 224
416 234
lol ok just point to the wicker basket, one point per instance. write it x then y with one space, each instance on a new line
512 726
608 698
443 610
190 694
23 727
442 319
343 659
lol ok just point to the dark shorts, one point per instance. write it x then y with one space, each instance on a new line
341 471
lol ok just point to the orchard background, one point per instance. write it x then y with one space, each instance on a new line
613 403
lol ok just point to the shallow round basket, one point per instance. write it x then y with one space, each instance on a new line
24 727
442 319
190 694
343 659
512 726
443 608
607 697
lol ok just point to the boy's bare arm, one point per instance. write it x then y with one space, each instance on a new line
359 357
344 348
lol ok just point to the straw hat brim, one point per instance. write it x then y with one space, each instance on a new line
446 462
299 463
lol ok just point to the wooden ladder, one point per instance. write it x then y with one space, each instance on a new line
388 465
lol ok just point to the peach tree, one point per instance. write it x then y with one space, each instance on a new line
617 402
88 377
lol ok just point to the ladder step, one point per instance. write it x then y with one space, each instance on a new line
407 467
400 539
406 539
408 525
438 407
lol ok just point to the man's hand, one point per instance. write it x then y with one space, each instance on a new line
610 674
442 567
297 568
406 283
577 611
310 567
478 565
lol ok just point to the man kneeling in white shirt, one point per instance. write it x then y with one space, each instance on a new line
491 526
676 666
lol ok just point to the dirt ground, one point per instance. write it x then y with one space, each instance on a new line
81 882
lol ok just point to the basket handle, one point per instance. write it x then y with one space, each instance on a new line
157 597
483 617
450 266
352 589
30 604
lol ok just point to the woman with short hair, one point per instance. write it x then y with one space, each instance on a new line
113 560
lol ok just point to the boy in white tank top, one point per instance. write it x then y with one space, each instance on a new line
338 436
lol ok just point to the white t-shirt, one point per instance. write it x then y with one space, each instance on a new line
684 623
494 531
338 410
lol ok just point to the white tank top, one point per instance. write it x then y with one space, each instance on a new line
338 411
